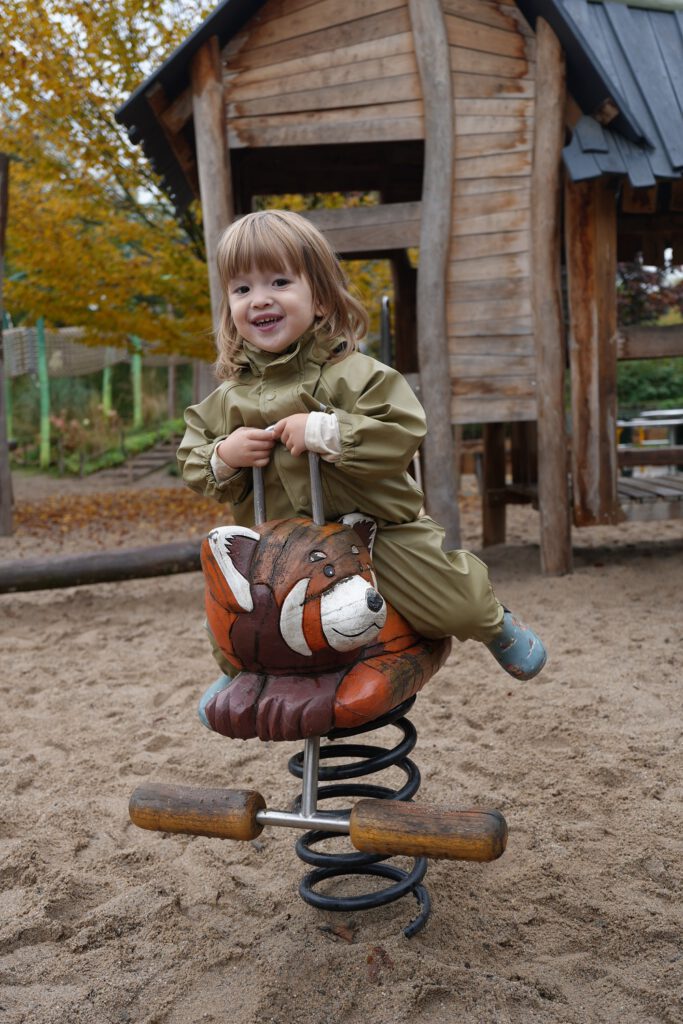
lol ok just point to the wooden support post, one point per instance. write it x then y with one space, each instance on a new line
433 61
492 503
44 391
215 179
591 245
524 453
5 474
553 488
405 329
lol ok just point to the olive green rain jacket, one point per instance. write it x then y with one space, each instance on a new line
381 425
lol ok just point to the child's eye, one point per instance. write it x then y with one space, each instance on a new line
280 282
241 289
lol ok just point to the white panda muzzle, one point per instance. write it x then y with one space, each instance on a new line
352 614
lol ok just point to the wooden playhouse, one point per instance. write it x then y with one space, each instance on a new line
523 147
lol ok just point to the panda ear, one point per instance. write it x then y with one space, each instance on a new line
233 549
363 525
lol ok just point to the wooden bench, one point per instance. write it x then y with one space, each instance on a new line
655 497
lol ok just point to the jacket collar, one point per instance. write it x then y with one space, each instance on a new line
308 348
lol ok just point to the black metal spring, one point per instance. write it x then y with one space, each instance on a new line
333 865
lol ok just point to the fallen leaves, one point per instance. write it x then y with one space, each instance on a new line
115 517
346 932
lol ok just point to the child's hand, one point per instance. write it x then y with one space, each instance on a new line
247 446
291 431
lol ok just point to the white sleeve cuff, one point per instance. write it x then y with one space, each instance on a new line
221 470
323 436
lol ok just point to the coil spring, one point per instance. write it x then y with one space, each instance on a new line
333 865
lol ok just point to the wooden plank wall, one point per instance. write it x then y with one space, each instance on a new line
323 72
489 301
312 72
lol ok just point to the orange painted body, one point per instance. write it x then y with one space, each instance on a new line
289 589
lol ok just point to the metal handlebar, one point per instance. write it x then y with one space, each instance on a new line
317 503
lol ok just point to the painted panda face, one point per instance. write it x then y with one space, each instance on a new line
317 580
344 617
338 605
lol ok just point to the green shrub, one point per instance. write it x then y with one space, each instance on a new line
649 383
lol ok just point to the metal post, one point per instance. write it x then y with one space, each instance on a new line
44 386
9 408
309 793
136 380
170 389
259 497
106 390
385 344
317 504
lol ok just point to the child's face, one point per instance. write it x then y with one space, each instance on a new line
271 309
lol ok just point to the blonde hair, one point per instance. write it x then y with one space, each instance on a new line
274 240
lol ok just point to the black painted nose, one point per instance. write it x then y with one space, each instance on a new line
374 600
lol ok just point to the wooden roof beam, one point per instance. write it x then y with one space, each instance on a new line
177 143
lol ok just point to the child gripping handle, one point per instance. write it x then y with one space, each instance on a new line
294 381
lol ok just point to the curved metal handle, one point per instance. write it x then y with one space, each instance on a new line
317 503
259 496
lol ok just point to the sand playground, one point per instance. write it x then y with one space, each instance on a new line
580 921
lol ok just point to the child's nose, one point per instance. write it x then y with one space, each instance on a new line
260 297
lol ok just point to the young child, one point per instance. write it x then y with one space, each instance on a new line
293 382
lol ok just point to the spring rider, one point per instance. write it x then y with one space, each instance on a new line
317 652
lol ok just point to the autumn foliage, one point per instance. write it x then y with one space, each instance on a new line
120 518
93 240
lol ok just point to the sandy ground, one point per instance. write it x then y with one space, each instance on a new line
580 921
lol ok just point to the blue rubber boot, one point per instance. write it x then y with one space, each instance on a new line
220 684
517 649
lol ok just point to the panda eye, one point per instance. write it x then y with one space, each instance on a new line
316 556
329 570
354 550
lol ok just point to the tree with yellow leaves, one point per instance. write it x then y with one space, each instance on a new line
93 241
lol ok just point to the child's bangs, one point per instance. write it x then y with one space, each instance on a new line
267 245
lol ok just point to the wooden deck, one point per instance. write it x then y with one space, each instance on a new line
641 499
651 498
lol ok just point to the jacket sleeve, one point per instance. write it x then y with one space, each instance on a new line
207 424
381 422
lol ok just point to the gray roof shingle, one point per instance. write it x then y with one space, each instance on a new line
641 53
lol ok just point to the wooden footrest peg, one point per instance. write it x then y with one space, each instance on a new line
217 813
417 830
